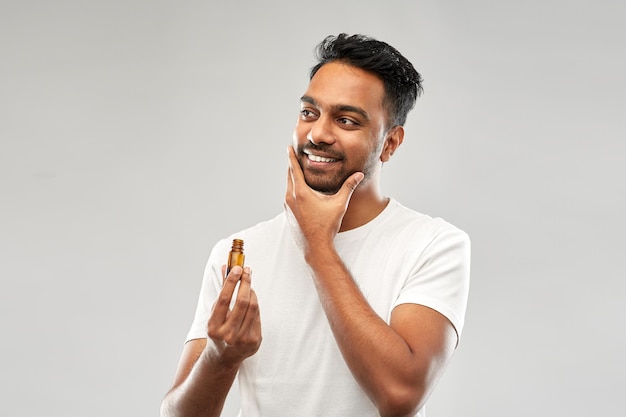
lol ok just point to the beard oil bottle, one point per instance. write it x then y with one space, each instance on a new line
235 256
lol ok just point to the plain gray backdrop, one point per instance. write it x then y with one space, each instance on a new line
135 134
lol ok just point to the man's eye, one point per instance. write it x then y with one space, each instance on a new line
346 121
306 114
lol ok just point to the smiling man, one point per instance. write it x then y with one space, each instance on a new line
361 301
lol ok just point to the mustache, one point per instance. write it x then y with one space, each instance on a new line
322 147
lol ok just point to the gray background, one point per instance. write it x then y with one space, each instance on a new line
135 134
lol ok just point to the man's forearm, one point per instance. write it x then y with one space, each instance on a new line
379 358
203 391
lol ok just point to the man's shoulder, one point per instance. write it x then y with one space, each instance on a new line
413 221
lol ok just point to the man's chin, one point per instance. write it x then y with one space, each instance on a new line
323 187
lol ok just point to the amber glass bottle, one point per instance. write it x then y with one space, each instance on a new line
235 256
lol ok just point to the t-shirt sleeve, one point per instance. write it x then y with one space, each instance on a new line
440 276
211 286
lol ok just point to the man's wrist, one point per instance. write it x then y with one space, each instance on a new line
215 354
320 252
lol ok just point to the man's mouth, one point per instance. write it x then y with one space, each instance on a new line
316 158
319 158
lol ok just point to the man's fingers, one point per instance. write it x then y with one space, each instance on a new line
241 327
242 300
289 192
353 181
222 304
294 175
294 166
251 326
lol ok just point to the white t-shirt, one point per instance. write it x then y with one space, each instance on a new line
399 257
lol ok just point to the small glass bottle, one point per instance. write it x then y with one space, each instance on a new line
235 256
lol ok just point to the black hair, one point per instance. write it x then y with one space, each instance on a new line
402 83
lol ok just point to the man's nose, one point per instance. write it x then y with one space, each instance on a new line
321 132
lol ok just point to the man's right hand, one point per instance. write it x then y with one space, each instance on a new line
208 366
236 333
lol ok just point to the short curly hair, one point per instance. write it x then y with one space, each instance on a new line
402 83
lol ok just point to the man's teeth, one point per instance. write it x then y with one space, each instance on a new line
316 158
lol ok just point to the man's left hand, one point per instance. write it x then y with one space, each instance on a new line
318 215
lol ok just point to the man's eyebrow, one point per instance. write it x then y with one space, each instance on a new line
338 107
309 100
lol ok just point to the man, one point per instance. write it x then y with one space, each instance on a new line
360 299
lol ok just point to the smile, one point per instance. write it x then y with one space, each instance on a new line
316 158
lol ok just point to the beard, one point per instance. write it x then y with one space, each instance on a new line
329 183
324 183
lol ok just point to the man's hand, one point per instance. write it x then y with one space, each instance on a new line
208 366
236 334
318 215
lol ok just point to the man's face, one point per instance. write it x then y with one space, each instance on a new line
341 128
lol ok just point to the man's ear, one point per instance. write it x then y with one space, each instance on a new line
394 138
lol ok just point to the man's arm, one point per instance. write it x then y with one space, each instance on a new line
398 364
201 383
208 367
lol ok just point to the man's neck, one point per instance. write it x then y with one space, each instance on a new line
362 209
